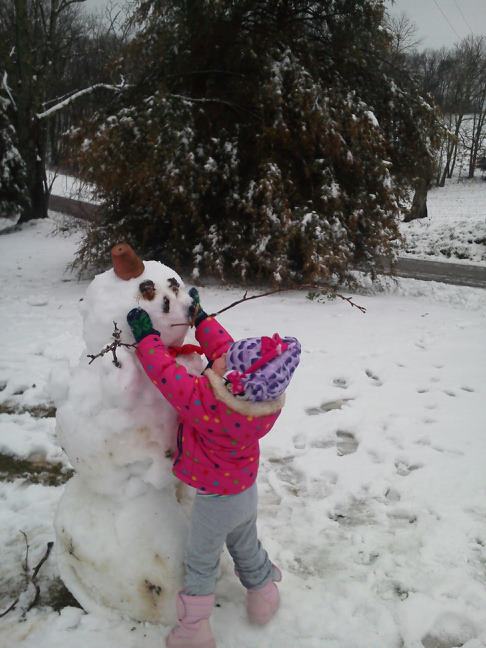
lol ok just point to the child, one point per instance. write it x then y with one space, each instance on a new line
223 415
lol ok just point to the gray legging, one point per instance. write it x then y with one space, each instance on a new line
217 520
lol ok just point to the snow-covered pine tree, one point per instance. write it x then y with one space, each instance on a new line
13 188
258 140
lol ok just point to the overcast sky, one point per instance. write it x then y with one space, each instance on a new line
440 23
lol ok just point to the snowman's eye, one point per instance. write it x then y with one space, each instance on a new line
166 305
174 285
147 289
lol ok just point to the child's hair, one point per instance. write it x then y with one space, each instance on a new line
260 368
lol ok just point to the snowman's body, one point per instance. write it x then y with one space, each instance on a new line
121 524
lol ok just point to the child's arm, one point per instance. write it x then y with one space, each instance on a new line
213 338
190 395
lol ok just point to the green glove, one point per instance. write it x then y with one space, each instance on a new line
196 312
140 323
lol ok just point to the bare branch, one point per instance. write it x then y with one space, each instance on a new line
31 580
321 291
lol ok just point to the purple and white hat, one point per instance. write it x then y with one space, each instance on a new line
260 368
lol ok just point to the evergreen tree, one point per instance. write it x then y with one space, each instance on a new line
258 140
13 188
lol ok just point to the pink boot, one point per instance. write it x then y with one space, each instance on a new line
263 603
193 630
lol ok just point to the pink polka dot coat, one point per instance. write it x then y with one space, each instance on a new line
218 440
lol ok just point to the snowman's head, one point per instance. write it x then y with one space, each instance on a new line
161 292
156 288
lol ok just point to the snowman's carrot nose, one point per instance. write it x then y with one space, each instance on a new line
126 264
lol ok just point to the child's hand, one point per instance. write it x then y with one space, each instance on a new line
196 312
140 323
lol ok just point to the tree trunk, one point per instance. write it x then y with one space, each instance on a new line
29 130
419 203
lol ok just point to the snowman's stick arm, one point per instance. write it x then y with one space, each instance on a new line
319 292
112 347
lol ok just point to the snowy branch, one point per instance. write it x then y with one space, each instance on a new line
7 89
77 95
213 100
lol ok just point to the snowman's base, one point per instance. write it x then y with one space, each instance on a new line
122 557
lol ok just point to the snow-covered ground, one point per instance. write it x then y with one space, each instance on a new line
455 229
372 485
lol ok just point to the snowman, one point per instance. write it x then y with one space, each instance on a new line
122 521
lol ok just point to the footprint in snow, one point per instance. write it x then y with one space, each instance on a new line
342 383
401 517
450 630
450 393
351 514
466 388
404 468
323 486
376 381
293 480
20 390
346 443
328 406
392 495
323 444
300 442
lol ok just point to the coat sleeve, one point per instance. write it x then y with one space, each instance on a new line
191 396
213 338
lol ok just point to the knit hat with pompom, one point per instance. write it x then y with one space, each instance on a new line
260 368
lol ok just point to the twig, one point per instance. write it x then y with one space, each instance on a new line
42 560
26 562
112 347
10 608
279 290
30 580
245 298
348 299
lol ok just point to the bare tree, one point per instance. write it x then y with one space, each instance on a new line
404 34
45 49
474 52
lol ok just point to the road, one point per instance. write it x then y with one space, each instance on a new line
458 274
452 273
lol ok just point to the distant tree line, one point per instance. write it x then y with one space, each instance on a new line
456 79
